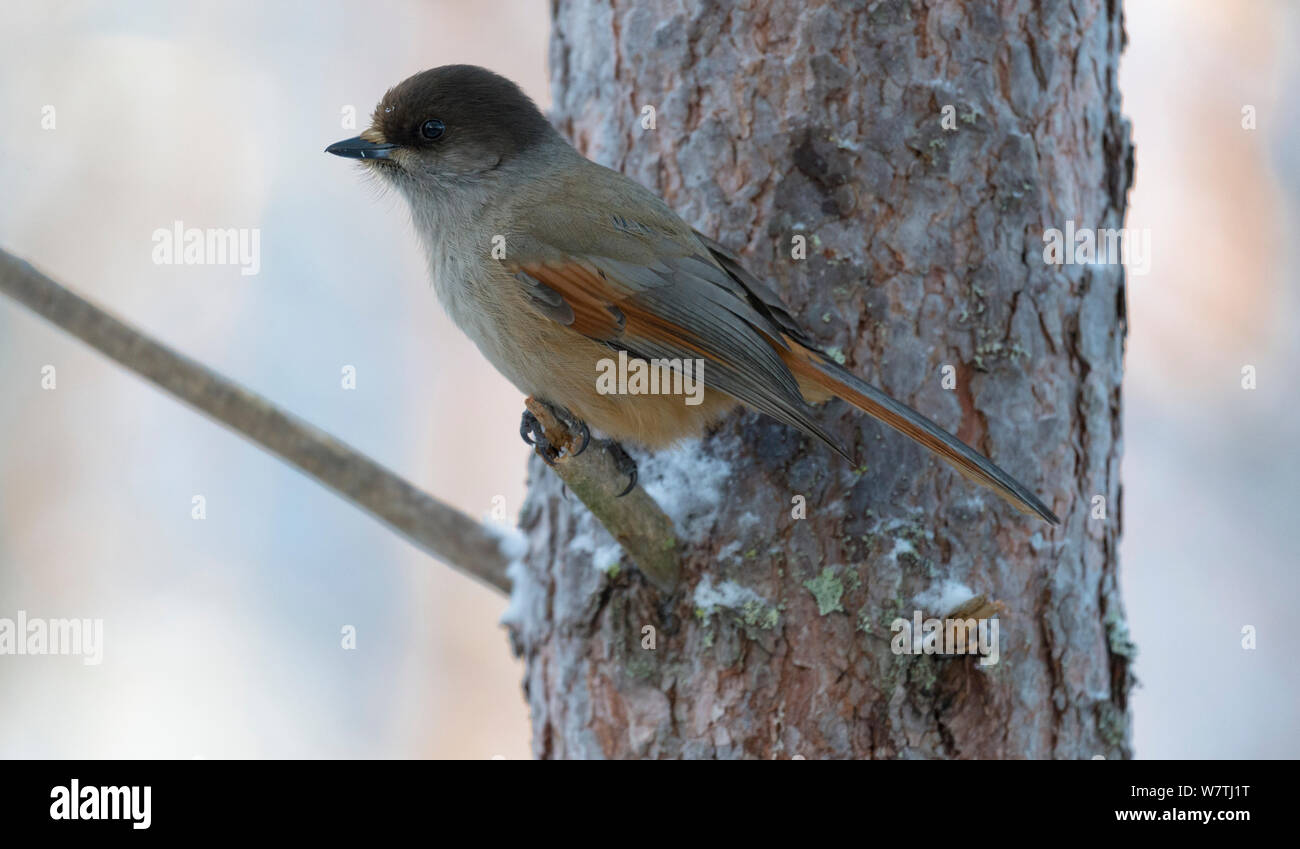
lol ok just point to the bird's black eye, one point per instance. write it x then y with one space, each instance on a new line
432 129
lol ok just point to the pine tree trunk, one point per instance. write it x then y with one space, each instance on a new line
790 118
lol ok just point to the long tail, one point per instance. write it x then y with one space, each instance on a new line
840 382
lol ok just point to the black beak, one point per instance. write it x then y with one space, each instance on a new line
359 148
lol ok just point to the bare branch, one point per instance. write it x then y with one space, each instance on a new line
635 520
440 530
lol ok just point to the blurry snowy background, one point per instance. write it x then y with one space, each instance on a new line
223 635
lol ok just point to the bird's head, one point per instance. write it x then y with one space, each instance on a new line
447 125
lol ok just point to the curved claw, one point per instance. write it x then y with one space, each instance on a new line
574 424
631 484
625 464
527 424
585 433
531 431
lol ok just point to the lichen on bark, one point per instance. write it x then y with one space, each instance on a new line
924 249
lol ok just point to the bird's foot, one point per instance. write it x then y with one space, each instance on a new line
625 464
535 435
575 438
532 431
576 426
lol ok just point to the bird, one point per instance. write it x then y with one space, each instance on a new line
551 263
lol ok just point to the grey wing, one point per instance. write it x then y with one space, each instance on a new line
669 304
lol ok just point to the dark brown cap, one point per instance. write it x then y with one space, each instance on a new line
477 107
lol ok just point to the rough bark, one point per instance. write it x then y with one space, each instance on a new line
790 117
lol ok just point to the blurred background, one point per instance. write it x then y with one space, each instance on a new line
223 634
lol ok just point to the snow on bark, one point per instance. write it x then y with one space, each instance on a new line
924 249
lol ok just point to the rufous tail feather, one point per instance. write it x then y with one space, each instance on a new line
843 384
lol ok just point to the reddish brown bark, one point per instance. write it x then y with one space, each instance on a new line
924 249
